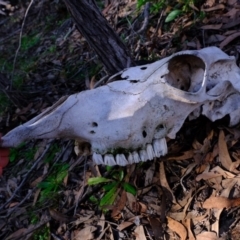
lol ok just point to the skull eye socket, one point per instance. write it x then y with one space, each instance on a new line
144 133
186 72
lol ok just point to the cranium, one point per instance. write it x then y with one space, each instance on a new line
126 121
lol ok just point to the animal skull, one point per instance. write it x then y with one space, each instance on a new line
127 120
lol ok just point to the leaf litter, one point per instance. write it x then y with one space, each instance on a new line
192 193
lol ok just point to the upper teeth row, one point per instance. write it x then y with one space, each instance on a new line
156 149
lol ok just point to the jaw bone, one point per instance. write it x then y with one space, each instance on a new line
126 121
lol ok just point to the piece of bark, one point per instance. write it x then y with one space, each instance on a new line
100 35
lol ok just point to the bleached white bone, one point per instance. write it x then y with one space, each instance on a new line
126 121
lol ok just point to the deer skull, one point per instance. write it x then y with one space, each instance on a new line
127 120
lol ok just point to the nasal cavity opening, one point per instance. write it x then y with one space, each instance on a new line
186 72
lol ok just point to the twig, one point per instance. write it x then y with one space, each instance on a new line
145 22
83 184
19 204
26 176
20 40
32 228
102 80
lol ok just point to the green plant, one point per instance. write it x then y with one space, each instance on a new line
42 233
155 6
111 186
51 185
4 103
29 41
51 153
177 7
22 152
181 7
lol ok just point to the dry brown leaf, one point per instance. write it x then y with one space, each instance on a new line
124 225
217 7
139 233
187 224
215 172
209 3
59 216
157 228
212 26
118 207
228 39
215 226
207 236
207 175
215 38
221 202
231 24
163 180
185 155
177 227
36 181
110 236
17 234
149 175
228 184
36 195
86 233
187 171
129 222
101 221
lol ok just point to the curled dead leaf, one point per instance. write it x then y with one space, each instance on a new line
177 227
221 202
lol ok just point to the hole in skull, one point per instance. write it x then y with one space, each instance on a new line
117 77
186 72
134 81
92 132
143 68
166 108
160 126
94 124
144 133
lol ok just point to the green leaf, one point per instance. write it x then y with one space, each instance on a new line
172 15
44 185
97 180
121 175
109 197
118 175
93 199
109 186
129 188
109 168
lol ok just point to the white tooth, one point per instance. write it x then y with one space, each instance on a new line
121 160
109 160
150 152
136 158
130 158
164 146
143 155
160 147
97 158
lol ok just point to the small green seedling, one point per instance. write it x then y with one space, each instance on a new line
111 186
22 152
53 183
